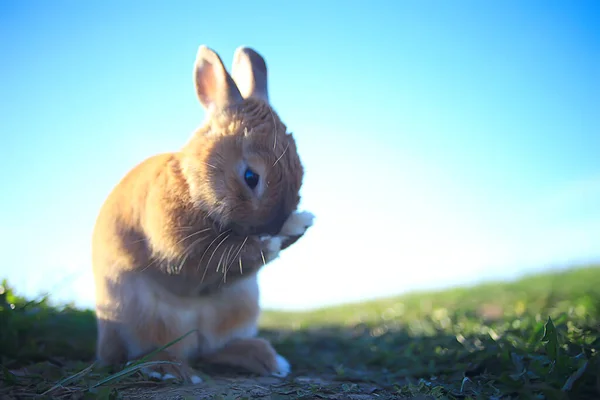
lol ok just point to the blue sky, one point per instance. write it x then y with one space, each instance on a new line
444 142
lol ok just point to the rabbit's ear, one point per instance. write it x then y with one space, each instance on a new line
250 73
214 86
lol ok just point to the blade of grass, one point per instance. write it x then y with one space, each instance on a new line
141 363
575 376
71 379
158 350
128 371
9 377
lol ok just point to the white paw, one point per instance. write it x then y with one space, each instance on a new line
283 367
297 224
167 377
153 374
274 245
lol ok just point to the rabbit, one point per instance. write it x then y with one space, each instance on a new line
179 241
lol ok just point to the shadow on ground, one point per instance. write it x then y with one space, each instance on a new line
331 362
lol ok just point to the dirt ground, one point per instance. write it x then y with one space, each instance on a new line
300 387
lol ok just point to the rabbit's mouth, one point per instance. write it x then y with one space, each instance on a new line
257 231
271 228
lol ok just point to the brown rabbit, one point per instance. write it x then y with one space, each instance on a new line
179 241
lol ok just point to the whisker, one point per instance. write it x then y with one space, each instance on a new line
263 258
182 228
195 242
211 243
211 212
281 156
194 234
182 262
149 265
220 261
208 247
226 260
215 250
188 250
237 253
228 254
137 241
216 208
176 229
274 129
241 269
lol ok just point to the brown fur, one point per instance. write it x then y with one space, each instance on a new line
176 245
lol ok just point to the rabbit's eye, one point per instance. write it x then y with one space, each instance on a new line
251 178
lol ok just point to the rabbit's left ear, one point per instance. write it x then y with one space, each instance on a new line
249 71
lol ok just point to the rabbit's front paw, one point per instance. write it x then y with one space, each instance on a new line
174 371
297 224
283 368
256 355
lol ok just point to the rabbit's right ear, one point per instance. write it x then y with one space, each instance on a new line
214 86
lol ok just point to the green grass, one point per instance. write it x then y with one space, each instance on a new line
534 338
